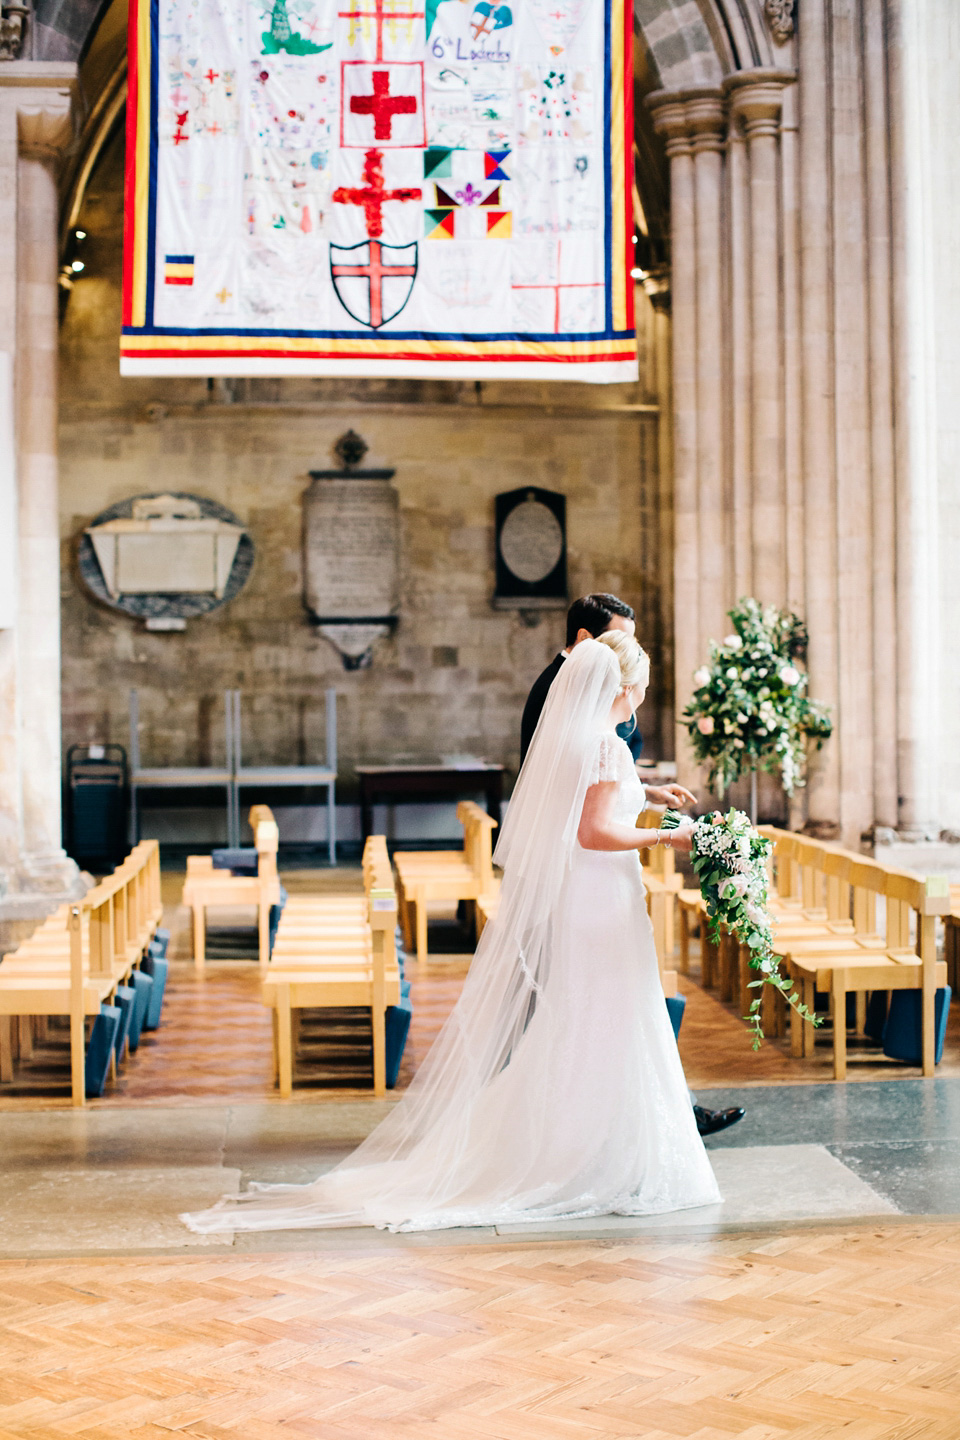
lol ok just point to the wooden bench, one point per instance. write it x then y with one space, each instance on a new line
425 876
206 886
332 952
75 960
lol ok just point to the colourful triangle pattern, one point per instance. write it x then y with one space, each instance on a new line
494 165
439 224
444 200
438 163
493 198
499 224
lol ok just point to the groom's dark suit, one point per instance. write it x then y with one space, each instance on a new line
536 701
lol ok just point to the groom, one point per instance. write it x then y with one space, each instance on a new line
588 617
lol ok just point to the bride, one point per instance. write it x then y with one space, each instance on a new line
555 1089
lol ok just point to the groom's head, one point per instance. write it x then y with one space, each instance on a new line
593 615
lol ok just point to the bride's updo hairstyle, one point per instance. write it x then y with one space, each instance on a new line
633 660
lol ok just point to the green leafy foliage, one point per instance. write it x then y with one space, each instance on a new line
750 709
730 859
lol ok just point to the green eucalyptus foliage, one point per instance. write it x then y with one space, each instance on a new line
729 858
750 710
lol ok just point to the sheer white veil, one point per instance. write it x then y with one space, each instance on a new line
419 1158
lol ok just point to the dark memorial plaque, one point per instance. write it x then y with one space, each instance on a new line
531 558
351 558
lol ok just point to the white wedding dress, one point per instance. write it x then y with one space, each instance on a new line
555 1089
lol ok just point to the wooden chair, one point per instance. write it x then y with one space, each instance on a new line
867 961
206 886
425 876
75 960
329 958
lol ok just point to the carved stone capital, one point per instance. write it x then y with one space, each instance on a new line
691 120
779 15
41 93
13 29
45 127
756 98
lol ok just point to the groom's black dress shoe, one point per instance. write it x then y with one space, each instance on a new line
710 1121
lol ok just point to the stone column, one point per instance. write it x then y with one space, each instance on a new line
755 98
43 133
35 125
819 456
705 120
670 119
879 279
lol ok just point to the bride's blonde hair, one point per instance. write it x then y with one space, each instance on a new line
633 660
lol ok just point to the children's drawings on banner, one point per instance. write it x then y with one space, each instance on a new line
406 187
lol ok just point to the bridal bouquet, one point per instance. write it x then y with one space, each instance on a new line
729 858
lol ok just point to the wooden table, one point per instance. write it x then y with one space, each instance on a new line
427 782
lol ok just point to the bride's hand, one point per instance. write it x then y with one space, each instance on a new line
680 839
673 795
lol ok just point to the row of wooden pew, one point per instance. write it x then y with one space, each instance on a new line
79 963
336 952
429 876
251 881
844 925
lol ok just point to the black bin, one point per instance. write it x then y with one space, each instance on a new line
97 805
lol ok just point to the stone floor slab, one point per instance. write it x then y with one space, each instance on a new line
108 1210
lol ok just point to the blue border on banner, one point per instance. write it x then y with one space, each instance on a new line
154 153
607 171
389 336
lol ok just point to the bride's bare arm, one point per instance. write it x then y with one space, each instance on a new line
598 829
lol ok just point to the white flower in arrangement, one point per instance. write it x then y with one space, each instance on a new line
742 718
705 725
729 859
733 642
701 677
790 675
738 744
732 673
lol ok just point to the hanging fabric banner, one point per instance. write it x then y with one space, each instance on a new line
400 188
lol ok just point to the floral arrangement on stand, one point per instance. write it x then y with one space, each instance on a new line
729 857
750 709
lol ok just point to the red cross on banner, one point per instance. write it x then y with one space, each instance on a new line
376 271
382 103
373 195
383 13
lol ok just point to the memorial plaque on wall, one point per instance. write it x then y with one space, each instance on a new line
351 540
531 561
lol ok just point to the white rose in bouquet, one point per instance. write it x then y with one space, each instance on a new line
701 677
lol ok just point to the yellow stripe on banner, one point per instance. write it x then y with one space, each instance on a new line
178 272
142 184
617 168
437 349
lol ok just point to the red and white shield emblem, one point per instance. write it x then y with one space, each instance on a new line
373 281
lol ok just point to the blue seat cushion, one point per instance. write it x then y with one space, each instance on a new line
161 939
275 912
676 1004
142 985
157 969
123 998
238 861
103 1037
903 1032
397 1024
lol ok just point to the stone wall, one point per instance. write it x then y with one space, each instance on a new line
454 676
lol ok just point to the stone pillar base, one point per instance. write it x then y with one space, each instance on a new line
23 909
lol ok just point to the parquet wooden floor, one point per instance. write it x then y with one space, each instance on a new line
806 1336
